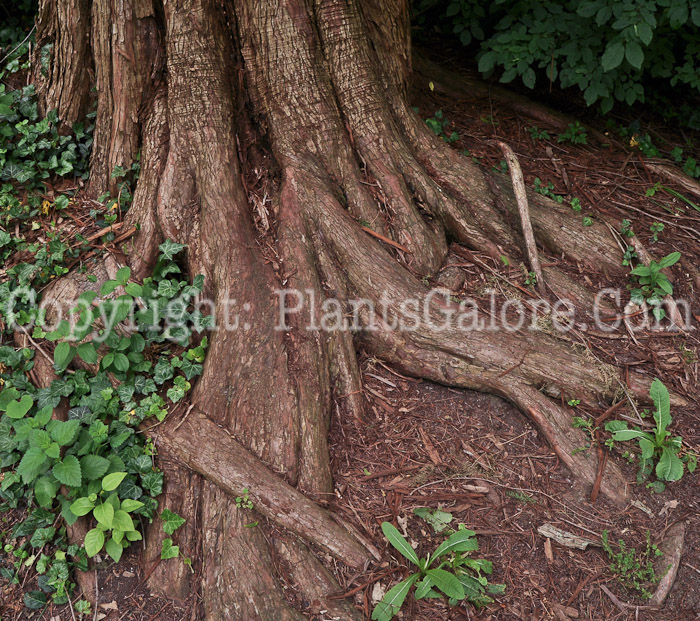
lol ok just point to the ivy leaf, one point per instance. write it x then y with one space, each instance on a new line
51 396
169 249
17 409
171 521
94 540
68 471
34 600
168 550
42 536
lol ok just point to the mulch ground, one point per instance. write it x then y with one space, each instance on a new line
477 457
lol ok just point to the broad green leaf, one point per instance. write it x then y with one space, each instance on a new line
45 490
64 432
168 550
121 363
94 466
647 447
82 506
630 434
393 600
88 353
63 354
670 467
17 409
123 275
171 521
134 289
122 521
662 401
31 464
112 481
114 549
7 395
461 541
670 259
634 54
448 583
68 471
130 505
397 540
94 540
104 514
613 55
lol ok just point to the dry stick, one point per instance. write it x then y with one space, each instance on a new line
516 175
673 313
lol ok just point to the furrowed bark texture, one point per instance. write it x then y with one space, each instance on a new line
311 97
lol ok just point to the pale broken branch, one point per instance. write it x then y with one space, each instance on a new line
516 175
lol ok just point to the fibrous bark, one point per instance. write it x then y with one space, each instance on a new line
314 91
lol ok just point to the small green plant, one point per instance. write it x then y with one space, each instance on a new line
520 497
653 283
502 167
656 228
657 446
243 501
438 518
579 422
574 402
634 571
448 571
531 279
439 124
547 190
171 522
575 134
626 228
537 134
629 256
587 221
576 204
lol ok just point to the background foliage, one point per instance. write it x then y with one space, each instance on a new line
624 50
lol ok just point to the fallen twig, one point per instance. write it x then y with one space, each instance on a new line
516 175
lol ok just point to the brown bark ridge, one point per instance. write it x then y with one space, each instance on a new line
314 91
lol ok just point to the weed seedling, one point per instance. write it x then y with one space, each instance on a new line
447 571
656 446
575 134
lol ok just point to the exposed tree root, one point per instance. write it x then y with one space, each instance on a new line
347 152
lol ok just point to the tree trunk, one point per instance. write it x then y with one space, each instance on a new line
304 101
